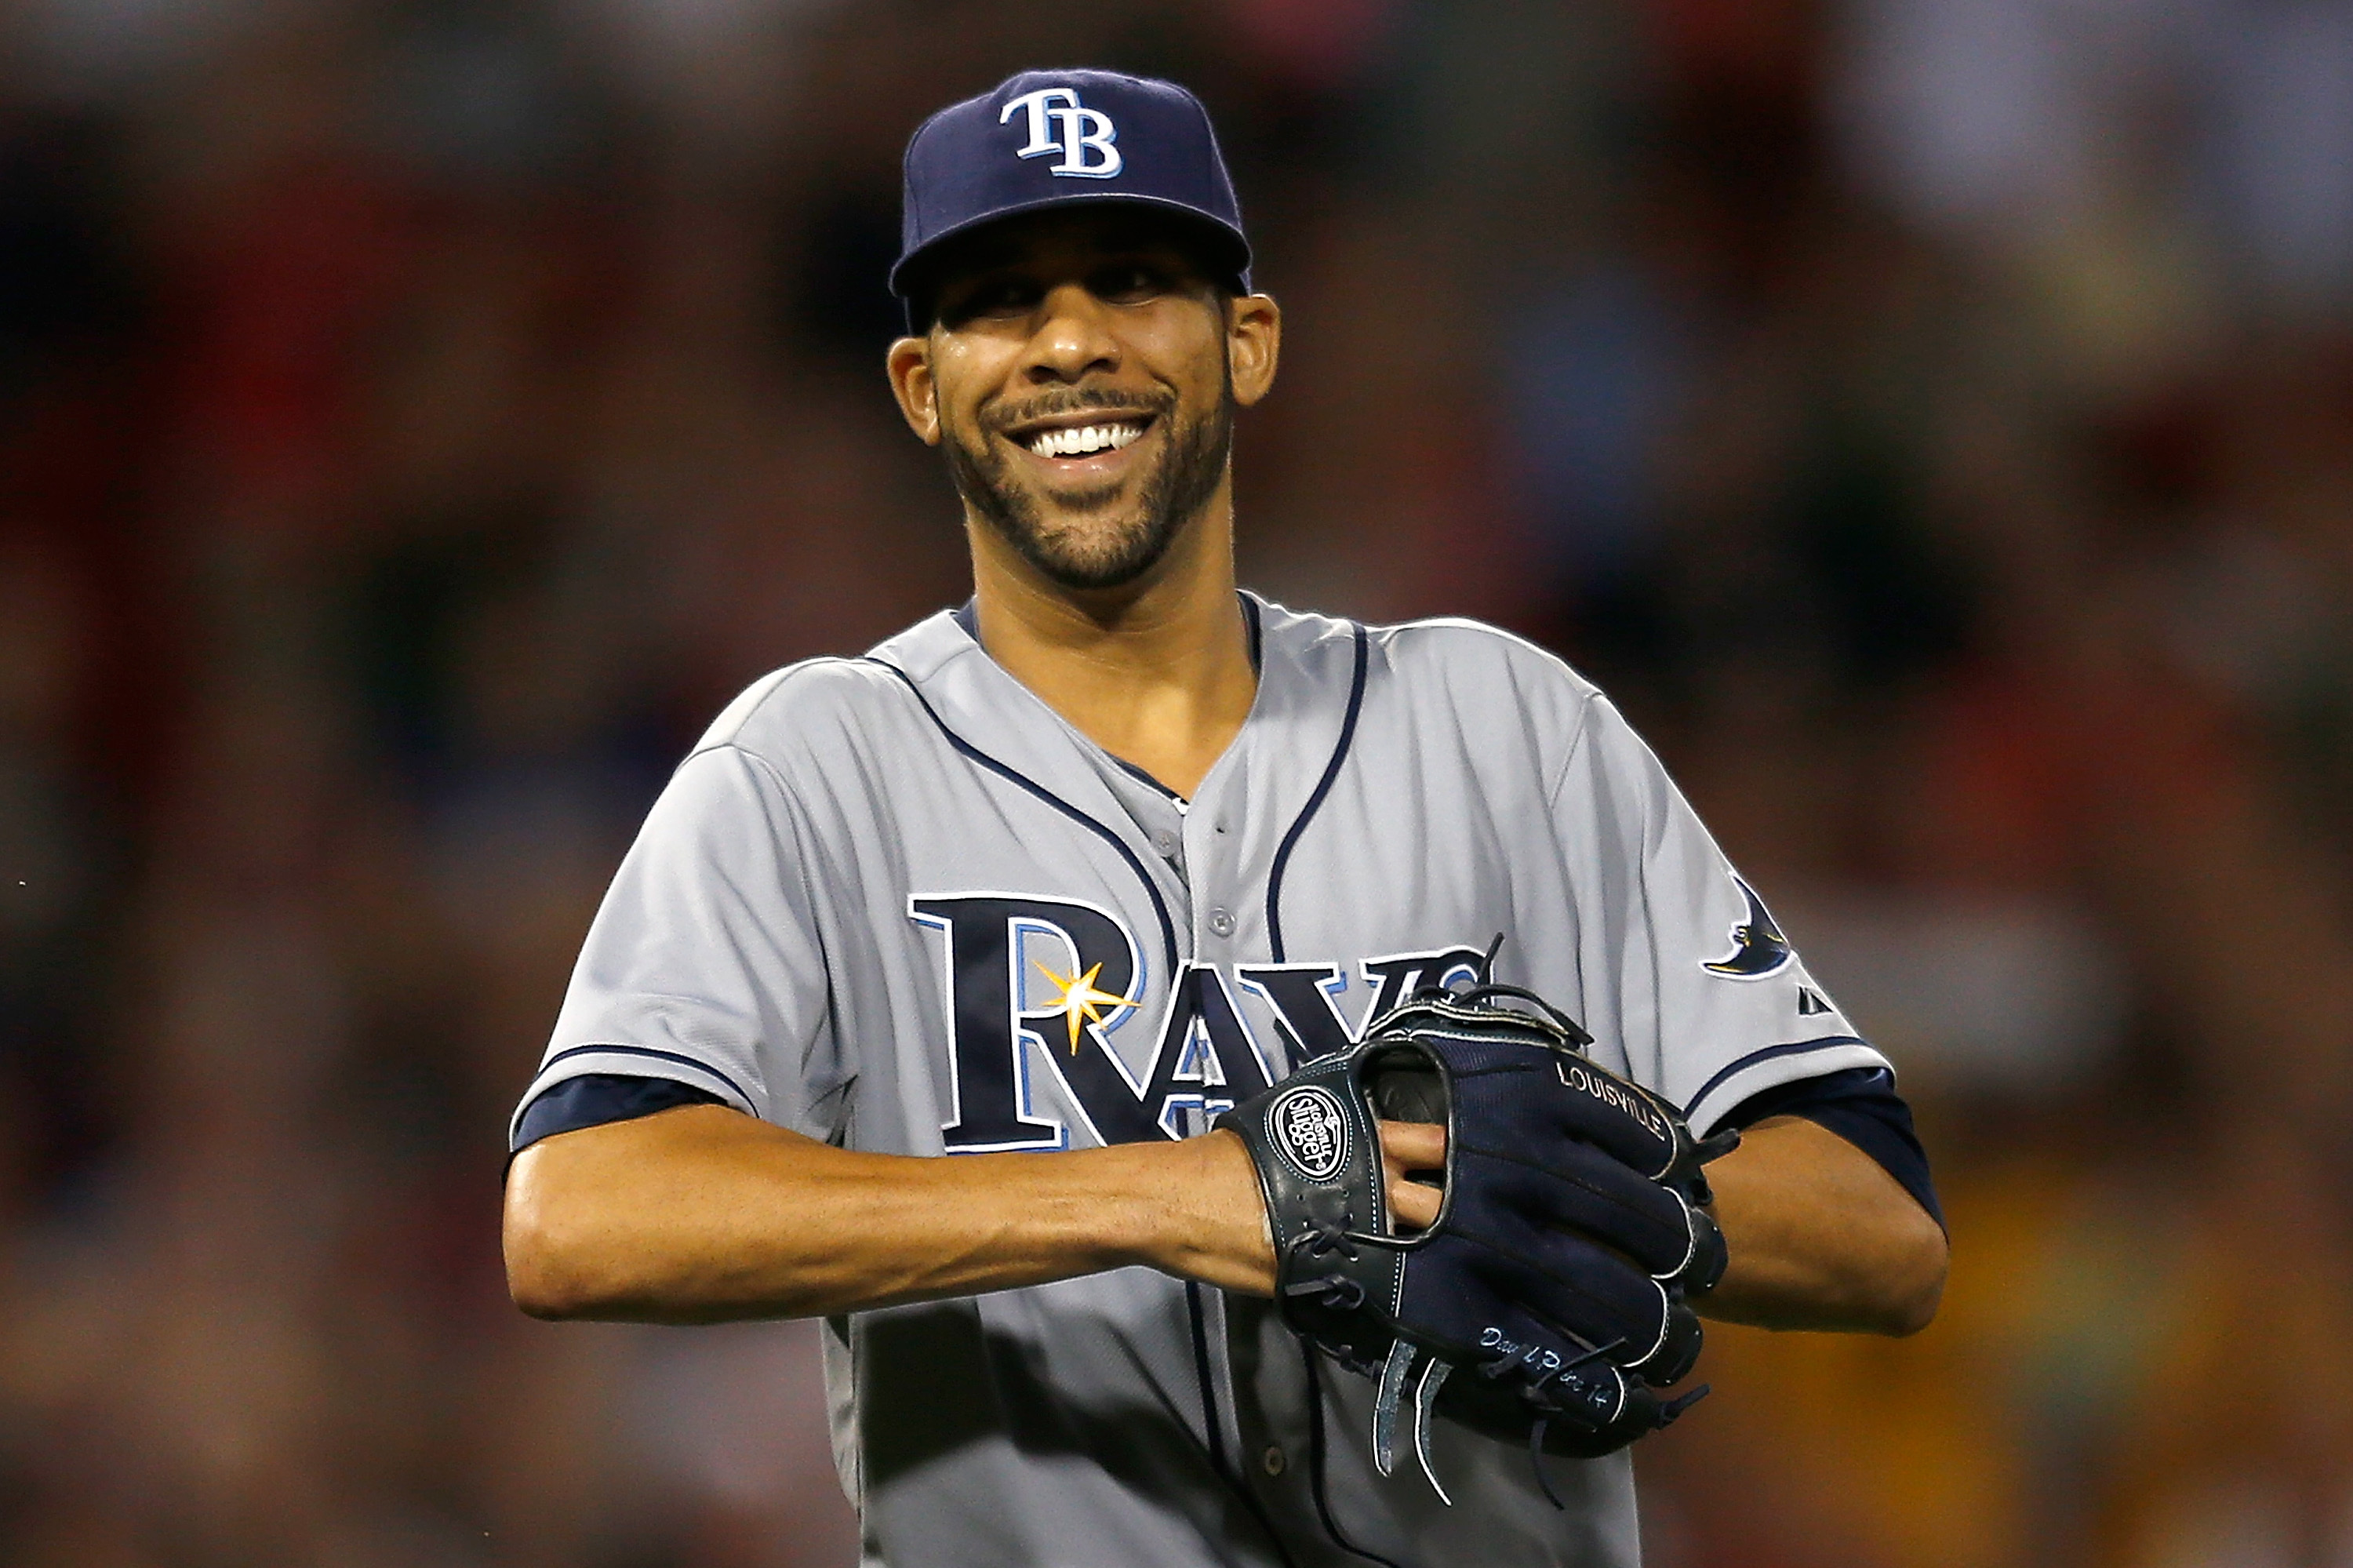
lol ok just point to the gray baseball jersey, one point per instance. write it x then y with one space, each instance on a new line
897 903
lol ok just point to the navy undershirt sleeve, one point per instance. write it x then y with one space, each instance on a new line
593 1099
1859 1105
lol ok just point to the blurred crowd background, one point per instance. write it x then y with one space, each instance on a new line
1932 420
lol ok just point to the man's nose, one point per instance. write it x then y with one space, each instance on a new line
1074 338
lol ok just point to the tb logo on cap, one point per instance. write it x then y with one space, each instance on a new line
1059 124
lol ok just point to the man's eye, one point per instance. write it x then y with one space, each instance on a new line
1009 296
1130 283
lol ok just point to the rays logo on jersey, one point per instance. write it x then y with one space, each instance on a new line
1758 949
1044 1004
1084 137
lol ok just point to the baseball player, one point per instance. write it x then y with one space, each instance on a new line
1053 881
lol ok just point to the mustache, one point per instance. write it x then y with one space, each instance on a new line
999 418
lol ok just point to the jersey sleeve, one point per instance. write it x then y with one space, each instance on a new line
706 963
1680 961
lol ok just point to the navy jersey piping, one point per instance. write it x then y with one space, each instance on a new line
1212 1425
1801 1047
1141 777
682 1061
1316 800
1013 776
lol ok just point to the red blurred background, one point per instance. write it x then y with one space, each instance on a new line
1928 418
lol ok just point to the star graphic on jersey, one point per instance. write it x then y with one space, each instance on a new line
1081 1002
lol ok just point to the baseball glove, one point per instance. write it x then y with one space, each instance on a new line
1546 1302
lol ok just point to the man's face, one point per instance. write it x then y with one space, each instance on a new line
1083 390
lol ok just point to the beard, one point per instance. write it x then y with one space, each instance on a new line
1085 544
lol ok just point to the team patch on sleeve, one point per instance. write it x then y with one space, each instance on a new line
1758 947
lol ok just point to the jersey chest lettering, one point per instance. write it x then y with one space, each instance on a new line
1031 982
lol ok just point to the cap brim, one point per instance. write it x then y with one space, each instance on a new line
1229 252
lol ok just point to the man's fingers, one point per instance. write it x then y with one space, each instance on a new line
1412 1206
1413 1144
1407 1148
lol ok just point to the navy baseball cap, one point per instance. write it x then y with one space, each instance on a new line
1057 138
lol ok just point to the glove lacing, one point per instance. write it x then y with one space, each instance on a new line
1324 1238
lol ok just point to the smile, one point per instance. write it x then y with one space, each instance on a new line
1082 440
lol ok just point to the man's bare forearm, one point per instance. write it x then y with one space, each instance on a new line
1821 1237
701 1214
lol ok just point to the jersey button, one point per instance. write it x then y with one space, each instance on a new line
1166 843
1273 1459
1221 922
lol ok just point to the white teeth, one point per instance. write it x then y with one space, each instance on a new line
1084 440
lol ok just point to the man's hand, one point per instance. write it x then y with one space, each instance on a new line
1819 1236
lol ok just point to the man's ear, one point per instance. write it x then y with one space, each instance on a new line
909 366
1254 344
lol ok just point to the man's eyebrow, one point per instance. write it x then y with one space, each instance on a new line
976 267
988 259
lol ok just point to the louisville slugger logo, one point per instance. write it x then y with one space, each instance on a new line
1618 1098
1310 1128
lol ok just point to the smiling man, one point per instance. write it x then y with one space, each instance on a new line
1119 463
1052 882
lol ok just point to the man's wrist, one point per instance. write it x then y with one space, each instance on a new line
1204 1216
